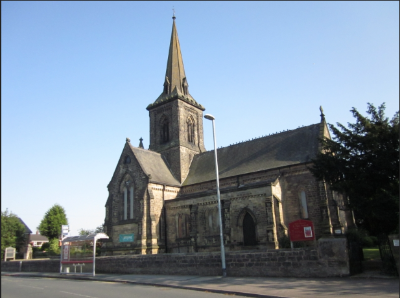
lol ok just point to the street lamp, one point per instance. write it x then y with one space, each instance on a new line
211 117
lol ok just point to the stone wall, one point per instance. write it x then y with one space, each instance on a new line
31 266
329 259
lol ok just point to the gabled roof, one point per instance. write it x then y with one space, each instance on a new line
154 165
274 151
27 229
37 237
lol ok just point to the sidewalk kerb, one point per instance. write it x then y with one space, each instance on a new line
243 294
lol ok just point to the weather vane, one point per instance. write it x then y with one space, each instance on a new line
173 10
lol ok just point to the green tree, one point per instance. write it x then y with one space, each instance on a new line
50 226
83 232
12 232
98 229
54 247
362 162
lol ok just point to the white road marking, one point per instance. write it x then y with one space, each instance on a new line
78 294
31 287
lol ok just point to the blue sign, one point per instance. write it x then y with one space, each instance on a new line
126 238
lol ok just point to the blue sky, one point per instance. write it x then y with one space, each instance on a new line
76 78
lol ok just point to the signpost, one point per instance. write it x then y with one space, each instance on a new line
301 230
9 253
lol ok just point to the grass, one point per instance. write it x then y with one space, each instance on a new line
371 254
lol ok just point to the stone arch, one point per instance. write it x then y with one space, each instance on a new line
248 224
241 215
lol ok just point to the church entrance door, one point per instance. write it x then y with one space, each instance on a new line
249 230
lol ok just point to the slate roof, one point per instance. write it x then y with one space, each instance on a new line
152 163
287 148
37 237
27 229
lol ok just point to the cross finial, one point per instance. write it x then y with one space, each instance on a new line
322 113
173 15
141 143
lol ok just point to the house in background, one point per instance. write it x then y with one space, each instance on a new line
37 240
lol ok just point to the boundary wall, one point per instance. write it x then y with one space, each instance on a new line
328 259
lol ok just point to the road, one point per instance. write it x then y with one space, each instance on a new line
17 287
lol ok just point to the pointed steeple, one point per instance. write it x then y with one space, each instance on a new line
175 82
323 130
175 70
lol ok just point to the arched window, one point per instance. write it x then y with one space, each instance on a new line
128 202
190 130
183 225
127 160
125 203
165 131
303 204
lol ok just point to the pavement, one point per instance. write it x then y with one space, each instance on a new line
367 284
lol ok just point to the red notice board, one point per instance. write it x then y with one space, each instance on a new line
301 230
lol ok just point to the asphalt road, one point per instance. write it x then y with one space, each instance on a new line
17 287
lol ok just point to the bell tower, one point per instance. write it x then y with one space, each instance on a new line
176 119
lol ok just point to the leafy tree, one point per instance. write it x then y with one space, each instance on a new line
54 247
50 226
12 232
362 162
99 229
83 232
45 246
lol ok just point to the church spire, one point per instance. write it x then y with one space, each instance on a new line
175 81
175 78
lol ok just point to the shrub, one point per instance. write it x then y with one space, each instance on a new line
362 237
284 242
54 249
45 246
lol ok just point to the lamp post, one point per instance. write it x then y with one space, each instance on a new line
211 117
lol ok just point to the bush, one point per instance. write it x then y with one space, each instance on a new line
54 249
284 242
45 246
362 237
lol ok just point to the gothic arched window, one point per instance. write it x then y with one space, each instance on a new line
190 130
165 131
183 225
128 202
303 204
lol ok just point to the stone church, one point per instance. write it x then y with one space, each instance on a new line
163 199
